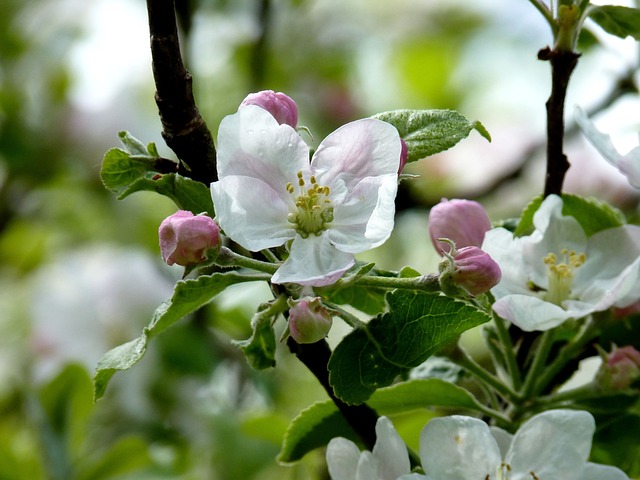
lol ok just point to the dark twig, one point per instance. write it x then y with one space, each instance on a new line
362 418
562 65
183 128
259 52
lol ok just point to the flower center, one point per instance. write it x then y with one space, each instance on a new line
313 207
560 275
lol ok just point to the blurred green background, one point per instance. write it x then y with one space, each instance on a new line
80 272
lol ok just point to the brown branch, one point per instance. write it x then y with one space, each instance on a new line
362 418
562 65
183 128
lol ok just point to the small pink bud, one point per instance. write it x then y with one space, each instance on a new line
309 321
463 221
404 154
474 270
185 237
621 368
281 106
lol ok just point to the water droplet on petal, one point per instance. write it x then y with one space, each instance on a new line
263 131
250 132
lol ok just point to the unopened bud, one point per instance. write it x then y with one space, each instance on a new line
471 269
309 320
463 221
620 368
185 237
404 154
281 106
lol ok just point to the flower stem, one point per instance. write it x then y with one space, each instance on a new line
462 358
509 352
349 318
228 258
538 365
425 283
269 255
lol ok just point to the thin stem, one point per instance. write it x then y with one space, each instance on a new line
508 351
227 257
349 318
269 255
546 13
462 358
427 283
566 354
538 365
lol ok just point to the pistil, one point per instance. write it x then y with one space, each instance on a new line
560 275
313 210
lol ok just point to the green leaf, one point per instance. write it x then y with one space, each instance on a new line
417 325
260 348
133 169
322 421
427 132
127 455
366 299
617 20
592 214
188 296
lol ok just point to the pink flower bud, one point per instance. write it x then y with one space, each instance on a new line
463 221
309 321
283 108
185 237
474 270
621 368
404 154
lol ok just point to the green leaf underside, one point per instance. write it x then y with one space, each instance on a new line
592 214
417 325
260 348
365 299
617 20
188 296
125 173
427 132
322 421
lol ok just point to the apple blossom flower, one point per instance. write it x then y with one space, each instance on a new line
185 237
550 445
389 459
339 204
462 221
557 273
281 106
309 320
629 164
474 270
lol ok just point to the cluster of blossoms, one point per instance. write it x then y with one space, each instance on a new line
551 445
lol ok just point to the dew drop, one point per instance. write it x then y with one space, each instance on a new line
263 131
250 132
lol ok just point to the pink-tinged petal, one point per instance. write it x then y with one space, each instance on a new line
390 451
458 448
313 261
364 219
342 459
251 213
531 313
552 444
251 143
360 149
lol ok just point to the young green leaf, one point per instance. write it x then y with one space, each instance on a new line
188 296
260 348
427 132
617 20
322 421
416 326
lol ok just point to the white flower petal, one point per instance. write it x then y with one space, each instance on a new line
364 219
360 149
313 261
506 251
553 444
503 439
251 212
593 471
531 313
628 164
251 143
458 448
390 451
342 459
367 467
